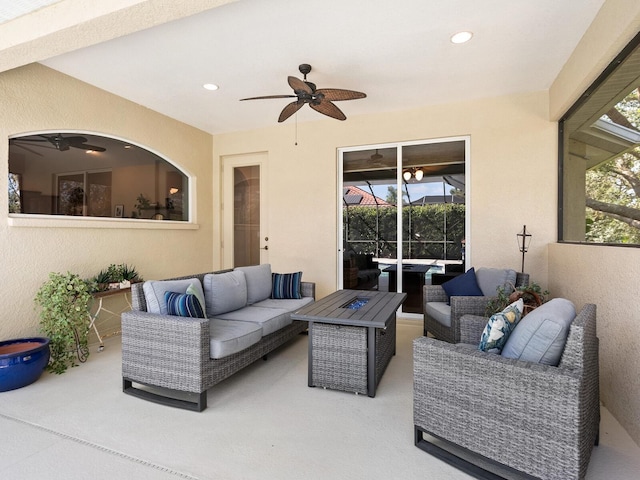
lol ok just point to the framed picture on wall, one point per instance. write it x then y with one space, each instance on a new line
118 211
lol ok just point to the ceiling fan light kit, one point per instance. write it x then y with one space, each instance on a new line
417 173
320 99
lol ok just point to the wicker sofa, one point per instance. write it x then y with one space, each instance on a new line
507 414
177 354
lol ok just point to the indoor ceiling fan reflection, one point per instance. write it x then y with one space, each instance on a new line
57 141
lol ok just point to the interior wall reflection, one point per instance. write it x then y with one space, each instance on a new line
81 174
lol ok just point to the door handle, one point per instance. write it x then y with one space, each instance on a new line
266 247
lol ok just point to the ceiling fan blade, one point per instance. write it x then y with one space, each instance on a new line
28 140
337 94
327 108
299 85
289 110
86 146
269 96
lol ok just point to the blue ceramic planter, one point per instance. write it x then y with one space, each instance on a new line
22 361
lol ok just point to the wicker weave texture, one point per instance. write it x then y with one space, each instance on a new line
340 355
459 306
538 419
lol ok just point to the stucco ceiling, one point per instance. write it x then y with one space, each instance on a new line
398 53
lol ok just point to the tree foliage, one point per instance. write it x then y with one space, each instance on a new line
613 188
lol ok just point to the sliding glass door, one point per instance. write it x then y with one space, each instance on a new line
403 215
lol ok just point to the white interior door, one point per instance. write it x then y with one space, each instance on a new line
245 238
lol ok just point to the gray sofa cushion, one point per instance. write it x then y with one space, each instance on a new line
489 279
228 337
258 282
540 336
270 319
225 292
439 311
290 305
154 291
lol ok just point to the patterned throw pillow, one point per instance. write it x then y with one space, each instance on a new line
499 327
286 285
183 305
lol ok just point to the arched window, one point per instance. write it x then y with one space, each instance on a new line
82 174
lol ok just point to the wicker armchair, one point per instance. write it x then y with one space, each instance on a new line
509 414
459 306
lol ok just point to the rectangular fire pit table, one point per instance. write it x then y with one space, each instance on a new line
352 337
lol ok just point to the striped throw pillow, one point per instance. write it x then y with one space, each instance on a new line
286 285
183 305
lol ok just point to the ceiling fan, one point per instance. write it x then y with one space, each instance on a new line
320 99
58 141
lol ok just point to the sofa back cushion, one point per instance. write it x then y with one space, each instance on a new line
541 335
258 279
225 292
489 279
154 291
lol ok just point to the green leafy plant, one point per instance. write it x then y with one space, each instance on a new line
142 202
115 274
65 300
531 294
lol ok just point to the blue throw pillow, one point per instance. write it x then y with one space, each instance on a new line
286 285
183 305
464 285
499 327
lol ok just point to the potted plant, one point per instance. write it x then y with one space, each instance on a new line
531 294
65 300
116 276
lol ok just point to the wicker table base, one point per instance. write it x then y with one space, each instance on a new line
349 349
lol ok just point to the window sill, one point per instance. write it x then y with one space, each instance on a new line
60 221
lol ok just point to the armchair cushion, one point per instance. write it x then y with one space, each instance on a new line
541 335
258 282
439 311
489 279
464 285
154 291
499 327
225 292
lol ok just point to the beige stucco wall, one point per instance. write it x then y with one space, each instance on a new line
512 179
37 98
606 276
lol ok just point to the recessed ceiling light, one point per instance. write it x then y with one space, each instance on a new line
461 37
210 86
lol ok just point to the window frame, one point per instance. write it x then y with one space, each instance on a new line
67 221
580 102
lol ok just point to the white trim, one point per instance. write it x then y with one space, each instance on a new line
67 221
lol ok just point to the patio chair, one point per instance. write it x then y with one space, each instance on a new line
492 416
442 313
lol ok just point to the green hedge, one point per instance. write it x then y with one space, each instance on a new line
424 225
